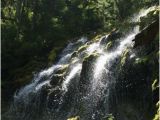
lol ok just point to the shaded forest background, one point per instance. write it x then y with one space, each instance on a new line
35 31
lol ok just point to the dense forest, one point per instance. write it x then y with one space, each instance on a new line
34 33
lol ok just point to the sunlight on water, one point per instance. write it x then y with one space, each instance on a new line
105 59
42 84
73 72
93 47
48 71
100 65
65 59
83 39
142 13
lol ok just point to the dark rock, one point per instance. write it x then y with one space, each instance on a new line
111 37
54 98
149 18
87 71
147 35
62 70
57 79
74 54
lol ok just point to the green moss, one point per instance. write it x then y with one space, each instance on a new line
154 84
52 55
74 118
62 70
97 38
82 48
124 57
153 14
74 54
110 117
109 45
156 117
142 60
91 57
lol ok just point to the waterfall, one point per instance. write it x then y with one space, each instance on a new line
55 94
76 69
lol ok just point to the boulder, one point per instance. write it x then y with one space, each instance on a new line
57 79
111 37
53 98
151 16
74 54
82 48
147 35
62 69
87 71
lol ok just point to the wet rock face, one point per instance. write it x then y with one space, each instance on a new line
147 35
86 73
149 26
57 79
111 37
151 16
53 98
134 84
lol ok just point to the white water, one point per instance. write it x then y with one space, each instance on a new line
106 58
38 82
71 75
142 13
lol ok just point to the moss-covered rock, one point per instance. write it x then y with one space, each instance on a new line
91 57
109 117
62 69
109 46
86 72
112 36
74 118
147 35
82 48
154 84
74 54
97 38
59 75
156 117
57 79
141 60
124 56
153 14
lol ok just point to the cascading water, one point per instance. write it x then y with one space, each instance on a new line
55 92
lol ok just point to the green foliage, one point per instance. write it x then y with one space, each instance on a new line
110 117
52 56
